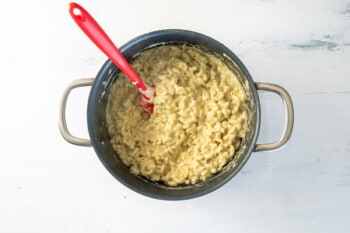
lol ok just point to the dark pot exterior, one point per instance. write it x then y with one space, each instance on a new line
96 116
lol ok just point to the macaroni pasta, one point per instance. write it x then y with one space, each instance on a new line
198 121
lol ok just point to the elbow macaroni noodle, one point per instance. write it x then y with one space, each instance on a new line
199 117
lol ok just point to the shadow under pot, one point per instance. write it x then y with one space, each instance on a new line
97 126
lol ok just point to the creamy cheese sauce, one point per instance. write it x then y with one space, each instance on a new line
198 122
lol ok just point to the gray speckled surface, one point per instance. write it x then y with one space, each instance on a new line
48 185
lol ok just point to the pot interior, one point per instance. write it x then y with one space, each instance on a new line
97 116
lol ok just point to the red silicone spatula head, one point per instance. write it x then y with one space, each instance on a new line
96 34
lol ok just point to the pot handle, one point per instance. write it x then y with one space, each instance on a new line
62 124
288 105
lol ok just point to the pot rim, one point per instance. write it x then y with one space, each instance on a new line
106 69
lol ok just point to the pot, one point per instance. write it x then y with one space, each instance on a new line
96 116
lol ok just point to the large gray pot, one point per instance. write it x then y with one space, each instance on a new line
96 116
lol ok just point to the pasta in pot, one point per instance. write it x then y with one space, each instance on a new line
198 122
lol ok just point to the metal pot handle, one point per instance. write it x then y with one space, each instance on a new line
62 124
288 127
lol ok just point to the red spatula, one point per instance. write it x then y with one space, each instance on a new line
96 34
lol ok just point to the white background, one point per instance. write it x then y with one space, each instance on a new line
49 185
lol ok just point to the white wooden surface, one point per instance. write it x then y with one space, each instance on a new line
48 185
